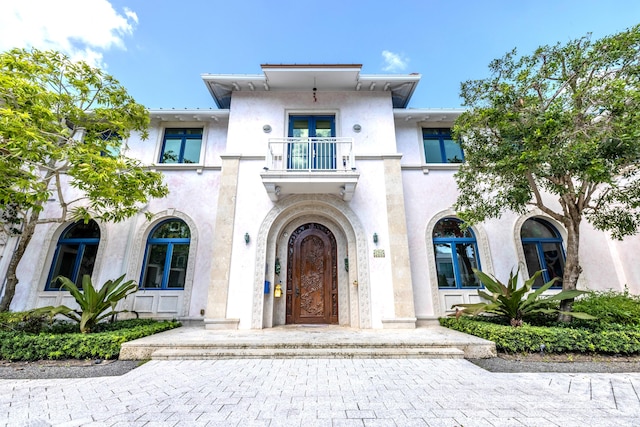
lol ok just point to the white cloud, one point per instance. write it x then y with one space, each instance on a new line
82 29
394 62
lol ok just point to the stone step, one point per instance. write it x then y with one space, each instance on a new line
264 352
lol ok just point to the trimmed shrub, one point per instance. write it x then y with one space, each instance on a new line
611 307
528 339
103 344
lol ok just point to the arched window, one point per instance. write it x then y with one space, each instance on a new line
166 256
543 250
456 255
75 254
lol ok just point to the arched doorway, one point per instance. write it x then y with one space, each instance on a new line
312 282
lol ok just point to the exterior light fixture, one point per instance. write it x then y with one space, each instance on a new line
266 128
277 292
247 239
357 128
346 264
375 238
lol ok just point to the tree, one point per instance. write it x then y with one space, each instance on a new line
62 125
557 130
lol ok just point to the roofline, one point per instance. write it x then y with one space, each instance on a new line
194 115
427 115
304 66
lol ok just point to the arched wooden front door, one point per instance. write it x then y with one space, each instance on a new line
312 284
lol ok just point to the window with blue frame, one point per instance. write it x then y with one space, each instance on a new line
166 256
75 254
316 149
439 147
456 254
113 143
181 145
543 250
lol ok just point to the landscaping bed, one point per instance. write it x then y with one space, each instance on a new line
30 341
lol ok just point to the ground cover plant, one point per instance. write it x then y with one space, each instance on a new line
27 337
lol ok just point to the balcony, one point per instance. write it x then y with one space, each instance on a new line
310 166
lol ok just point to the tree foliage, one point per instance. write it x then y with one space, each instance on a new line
557 130
62 127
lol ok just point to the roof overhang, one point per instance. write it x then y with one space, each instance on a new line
188 115
428 115
332 77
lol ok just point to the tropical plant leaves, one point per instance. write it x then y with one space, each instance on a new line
516 303
94 305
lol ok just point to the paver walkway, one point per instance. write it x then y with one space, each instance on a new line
323 392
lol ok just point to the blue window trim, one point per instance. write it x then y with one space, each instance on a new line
82 243
453 241
538 242
170 242
311 126
438 134
184 138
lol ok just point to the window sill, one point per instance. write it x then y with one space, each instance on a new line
198 167
440 166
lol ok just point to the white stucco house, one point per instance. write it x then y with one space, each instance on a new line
312 194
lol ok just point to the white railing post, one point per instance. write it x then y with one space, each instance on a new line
269 158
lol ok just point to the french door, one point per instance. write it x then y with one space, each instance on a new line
316 149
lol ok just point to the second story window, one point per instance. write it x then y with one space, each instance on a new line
181 145
314 147
439 147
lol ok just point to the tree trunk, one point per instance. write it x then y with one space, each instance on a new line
12 279
572 267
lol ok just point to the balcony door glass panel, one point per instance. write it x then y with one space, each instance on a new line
316 150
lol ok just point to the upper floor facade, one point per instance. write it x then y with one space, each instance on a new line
311 124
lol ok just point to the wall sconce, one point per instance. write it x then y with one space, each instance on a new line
375 238
277 291
247 239
266 128
277 267
346 264
357 128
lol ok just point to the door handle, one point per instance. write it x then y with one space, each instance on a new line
297 292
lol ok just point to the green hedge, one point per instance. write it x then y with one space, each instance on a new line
527 339
16 345
611 307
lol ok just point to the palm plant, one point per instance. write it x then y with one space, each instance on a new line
94 305
515 303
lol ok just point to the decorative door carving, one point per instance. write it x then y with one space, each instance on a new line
312 288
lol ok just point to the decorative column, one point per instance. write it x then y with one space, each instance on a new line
405 315
216 314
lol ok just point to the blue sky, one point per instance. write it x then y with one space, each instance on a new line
158 49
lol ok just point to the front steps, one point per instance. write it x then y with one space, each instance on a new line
307 352
188 343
